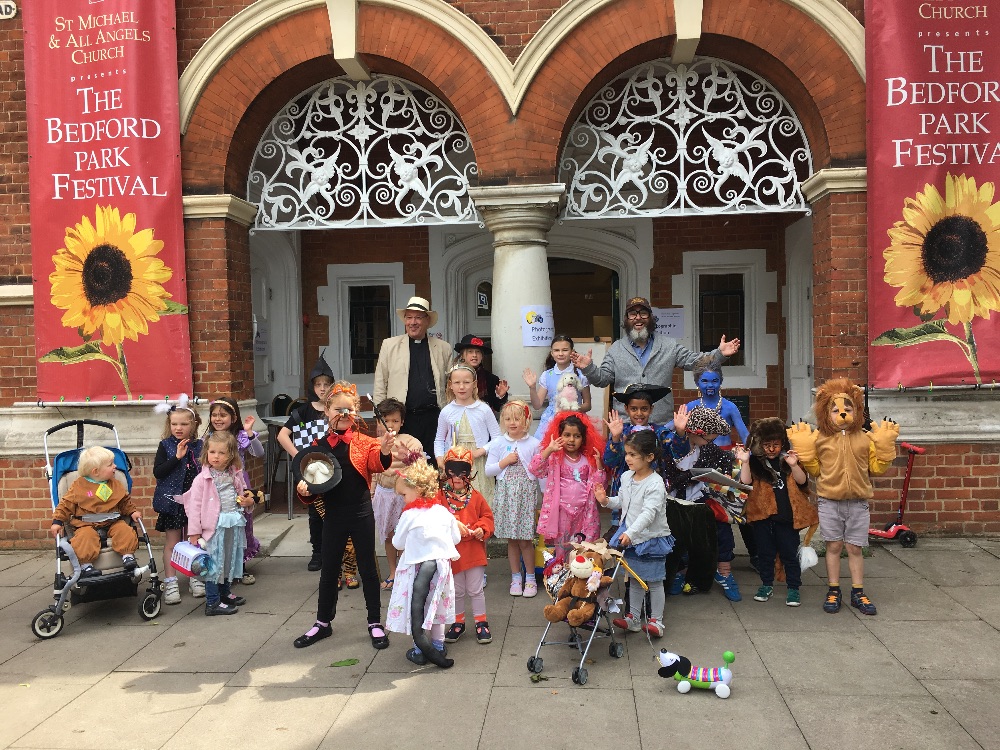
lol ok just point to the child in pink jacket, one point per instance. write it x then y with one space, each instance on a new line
215 520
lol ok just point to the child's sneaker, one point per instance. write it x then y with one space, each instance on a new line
833 600
763 594
729 586
516 589
862 602
530 588
677 586
792 598
129 563
197 588
654 627
483 634
454 632
629 622
171 592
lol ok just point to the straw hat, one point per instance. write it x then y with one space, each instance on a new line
420 305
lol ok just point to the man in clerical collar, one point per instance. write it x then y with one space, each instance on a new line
412 368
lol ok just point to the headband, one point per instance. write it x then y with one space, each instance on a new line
220 402
462 366
523 405
165 407
346 388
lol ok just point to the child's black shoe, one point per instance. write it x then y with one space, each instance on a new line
833 601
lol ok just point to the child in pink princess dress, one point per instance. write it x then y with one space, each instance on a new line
571 464
423 595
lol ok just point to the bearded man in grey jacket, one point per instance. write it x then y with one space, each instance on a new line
642 357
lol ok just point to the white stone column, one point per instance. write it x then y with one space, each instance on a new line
519 217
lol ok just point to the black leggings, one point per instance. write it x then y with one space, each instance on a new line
355 521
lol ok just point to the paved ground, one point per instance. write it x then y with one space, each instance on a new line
924 673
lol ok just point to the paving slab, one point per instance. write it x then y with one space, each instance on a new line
12 559
80 655
969 567
205 644
942 650
764 719
863 665
558 662
38 570
905 599
165 702
383 705
278 664
27 704
267 717
11 594
559 718
16 634
886 722
981 600
973 703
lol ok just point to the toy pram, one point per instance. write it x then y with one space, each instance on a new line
114 582
582 637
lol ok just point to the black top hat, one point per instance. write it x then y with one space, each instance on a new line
473 342
654 392
307 456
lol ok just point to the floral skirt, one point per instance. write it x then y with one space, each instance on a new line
440 607
514 504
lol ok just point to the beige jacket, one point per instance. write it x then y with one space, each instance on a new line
392 372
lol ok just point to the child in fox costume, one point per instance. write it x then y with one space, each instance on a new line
843 456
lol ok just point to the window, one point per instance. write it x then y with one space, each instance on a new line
721 305
369 311
484 299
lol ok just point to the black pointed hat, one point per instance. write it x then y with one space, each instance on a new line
321 368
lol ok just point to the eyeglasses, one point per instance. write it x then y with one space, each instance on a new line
637 314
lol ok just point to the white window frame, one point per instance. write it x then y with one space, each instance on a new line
333 300
760 287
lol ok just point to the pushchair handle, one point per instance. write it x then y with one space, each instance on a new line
80 422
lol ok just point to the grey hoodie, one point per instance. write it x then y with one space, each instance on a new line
621 368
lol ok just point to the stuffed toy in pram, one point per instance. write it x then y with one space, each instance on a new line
576 601
717 679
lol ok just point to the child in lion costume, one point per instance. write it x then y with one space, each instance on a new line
843 457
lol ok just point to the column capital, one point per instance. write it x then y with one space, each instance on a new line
835 180
518 213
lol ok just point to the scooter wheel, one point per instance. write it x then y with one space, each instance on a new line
908 539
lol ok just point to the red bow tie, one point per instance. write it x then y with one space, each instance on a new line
335 438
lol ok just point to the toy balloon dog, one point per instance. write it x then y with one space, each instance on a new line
679 667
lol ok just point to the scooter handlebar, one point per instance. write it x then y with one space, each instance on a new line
913 448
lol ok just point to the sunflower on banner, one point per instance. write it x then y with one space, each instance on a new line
944 258
110 284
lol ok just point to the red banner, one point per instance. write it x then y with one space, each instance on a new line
106 217
933 204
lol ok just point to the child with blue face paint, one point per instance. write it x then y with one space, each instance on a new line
708 378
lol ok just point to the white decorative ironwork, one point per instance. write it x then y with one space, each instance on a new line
665 140
359 154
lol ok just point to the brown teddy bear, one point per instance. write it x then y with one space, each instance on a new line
577 600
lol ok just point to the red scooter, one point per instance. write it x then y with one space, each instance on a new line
897 530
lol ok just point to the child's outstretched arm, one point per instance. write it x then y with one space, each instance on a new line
743 456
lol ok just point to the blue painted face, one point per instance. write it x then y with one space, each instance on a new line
709 384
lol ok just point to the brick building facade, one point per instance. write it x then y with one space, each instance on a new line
517 74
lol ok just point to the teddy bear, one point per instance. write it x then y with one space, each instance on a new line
568 392
576 601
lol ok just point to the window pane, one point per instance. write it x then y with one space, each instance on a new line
369 323
721 312
484 299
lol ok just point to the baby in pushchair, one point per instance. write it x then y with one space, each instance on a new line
97 491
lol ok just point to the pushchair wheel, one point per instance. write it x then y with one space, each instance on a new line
47 624
616 650
580 675
535 664
150 606
908 539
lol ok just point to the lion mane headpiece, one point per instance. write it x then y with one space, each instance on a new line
838 391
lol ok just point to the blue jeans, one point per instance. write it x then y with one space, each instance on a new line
215 591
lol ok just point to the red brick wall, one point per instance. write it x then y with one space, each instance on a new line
197 21
406 245
954 489
17 342
510 24
840 314
15 232
673 237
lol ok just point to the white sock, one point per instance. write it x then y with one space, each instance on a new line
516 578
